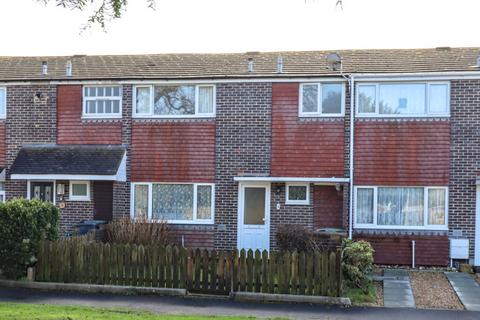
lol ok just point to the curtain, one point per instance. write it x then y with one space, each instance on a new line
402 98
365 206
204 202
140 201
436 206
400 206
205 99
172 201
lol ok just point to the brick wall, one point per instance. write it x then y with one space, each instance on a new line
327 207
288 213
464 157
304 147
72 129
74 212
399 152
121 190
193 236
175 150
396 249
28 121
242 146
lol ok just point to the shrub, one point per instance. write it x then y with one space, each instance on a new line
357 263
23 224
139 231
293 237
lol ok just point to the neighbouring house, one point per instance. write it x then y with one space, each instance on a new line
227 147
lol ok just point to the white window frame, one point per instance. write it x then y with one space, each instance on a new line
112 115
319 113
4 115
297 202
73 197
426 113
425 226
152 102
29 196
150 202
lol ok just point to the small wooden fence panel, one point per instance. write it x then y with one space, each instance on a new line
207 271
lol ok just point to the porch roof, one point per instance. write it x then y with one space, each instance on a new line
70 162
330 180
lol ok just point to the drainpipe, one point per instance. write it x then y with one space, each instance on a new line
352 128
413 254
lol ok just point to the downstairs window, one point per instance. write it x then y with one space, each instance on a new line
401 207
174 203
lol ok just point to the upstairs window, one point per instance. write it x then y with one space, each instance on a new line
175 101
3 102
321 99
403 99
401 207
102 102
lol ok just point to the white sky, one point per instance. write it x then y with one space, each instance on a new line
30 28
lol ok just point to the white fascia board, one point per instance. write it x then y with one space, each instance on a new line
452 75
291 179
63 177
122 169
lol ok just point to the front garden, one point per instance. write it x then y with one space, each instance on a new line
139 253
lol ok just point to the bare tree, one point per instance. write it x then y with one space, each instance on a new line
103 10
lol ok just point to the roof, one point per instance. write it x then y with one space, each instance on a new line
234 65
103 160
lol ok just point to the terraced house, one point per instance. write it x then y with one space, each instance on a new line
383 144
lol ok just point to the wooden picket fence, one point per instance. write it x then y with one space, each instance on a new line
206 271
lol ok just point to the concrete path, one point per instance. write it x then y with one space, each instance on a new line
467 289
397 291
211 306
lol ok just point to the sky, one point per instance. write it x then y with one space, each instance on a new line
30 28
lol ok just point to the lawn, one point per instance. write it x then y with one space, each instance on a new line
19 311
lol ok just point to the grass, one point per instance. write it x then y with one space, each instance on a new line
20 311
359 296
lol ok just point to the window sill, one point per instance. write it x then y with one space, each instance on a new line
297 203
394 116
79 199
174 117
321 115
87 117
394 228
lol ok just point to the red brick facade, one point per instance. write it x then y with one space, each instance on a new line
406 152
304 147
72 129
396 249
173 151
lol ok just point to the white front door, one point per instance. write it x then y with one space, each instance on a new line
477 230
254 216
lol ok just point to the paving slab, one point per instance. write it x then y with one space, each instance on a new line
466 288
397 291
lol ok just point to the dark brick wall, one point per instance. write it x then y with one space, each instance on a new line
464 157
74 212
242 146
288 213
28 122
121 190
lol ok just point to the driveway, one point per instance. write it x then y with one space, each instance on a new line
219 306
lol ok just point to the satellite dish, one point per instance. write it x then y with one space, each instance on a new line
333 61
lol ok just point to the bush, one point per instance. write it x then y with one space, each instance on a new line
139 231
293 237
357 263
23 224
